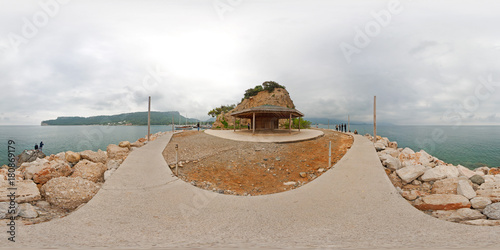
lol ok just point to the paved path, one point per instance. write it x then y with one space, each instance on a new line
352 205
245 135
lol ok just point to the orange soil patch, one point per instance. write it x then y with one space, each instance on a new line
248 168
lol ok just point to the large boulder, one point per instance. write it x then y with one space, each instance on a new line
445 186
27 191
440 172
137 144
442 202
52 169
477 179
29 156
69 193
410 173
5 208
26 210
99 156
492 211
490 190
458 215
72 157
480 202
89 170
391 163
390 151
379 146
124 144
113 164
463 171
116 152
30 168
465 188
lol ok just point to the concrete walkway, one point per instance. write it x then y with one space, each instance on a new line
353 205
283 137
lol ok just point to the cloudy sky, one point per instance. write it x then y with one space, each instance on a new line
428 62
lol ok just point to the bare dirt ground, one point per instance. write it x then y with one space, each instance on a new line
249 168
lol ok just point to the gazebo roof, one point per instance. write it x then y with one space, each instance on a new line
268 110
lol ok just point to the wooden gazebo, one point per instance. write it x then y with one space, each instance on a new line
266 117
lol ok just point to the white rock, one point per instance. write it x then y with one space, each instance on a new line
290 183
463 171
465 189
480 173
492 211
391 163
410 173
26 210
489 178
379 146
407 152
390 151
425 158
440 172
30 168
108 174
480 202
459 215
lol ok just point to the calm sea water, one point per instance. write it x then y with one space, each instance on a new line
74 138
470 146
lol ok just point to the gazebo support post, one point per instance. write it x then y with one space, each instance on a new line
253 123
290 124
234 125
299 123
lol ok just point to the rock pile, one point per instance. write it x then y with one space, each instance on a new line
61 182
445 191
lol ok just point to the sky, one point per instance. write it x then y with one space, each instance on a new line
428 62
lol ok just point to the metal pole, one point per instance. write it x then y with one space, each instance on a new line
375 119
149 117
176 161
330 155
253 124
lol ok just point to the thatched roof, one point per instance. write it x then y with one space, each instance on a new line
268 110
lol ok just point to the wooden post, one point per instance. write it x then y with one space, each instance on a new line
329 155
290 124
253 124
234 125
375 119
149 117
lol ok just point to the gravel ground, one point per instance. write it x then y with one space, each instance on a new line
248 168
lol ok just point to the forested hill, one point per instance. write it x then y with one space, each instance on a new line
137 118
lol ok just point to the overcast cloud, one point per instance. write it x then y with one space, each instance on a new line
428 62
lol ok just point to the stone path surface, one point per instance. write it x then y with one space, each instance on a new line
353 205
246 135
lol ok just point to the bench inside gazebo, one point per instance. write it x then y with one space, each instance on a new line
266 117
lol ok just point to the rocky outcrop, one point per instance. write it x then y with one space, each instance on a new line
30 168
27 191
99 156
69 193
116 152
448 192
279 97
442 202
89 171
52 169
490 190
124 144
29 156
72 157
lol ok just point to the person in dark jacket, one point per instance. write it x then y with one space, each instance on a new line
41 145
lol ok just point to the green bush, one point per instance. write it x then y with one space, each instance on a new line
267 85
295 124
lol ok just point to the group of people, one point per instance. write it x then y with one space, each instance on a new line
39 148
341 127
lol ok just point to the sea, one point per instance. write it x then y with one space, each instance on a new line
470 146
58 139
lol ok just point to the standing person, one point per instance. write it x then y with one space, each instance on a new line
36 146
337 127
198 126
345 128
41 145
248 126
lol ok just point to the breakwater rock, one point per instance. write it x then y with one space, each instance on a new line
52 186
445 191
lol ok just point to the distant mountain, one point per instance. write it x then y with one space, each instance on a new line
137 118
